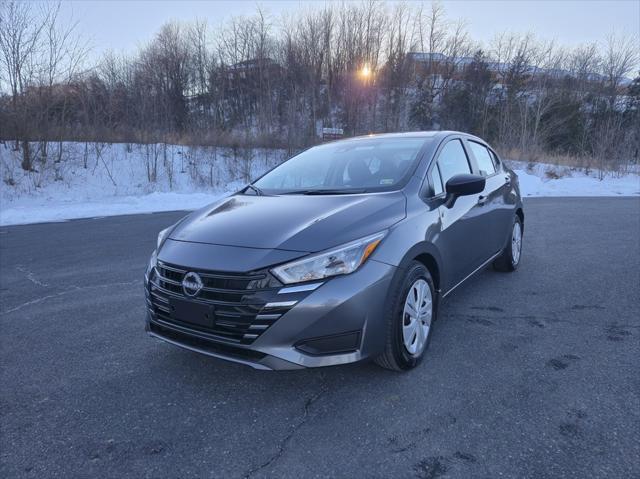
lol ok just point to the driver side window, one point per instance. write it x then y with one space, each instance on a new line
453 161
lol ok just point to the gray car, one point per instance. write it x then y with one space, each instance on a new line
340 254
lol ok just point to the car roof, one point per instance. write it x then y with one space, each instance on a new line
436 134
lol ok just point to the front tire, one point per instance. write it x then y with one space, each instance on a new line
410 314
509 259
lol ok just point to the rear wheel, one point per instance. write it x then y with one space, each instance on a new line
409 319
509 259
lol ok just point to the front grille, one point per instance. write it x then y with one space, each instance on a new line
244 304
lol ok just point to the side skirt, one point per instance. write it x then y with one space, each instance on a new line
473 272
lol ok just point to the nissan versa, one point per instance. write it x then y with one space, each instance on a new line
340 254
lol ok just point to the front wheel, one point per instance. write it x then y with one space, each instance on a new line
509 259
409 319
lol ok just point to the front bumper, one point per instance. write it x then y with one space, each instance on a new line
342 321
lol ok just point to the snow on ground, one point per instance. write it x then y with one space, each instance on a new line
116 180
540 180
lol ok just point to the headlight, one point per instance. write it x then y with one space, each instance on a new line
342 260
163 236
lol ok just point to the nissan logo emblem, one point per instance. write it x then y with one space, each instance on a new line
191 284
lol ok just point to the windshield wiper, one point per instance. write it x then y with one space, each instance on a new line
335 192
257 190
325 192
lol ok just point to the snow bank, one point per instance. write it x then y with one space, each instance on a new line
541 180
116 180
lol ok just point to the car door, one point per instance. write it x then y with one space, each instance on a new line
496 214
460 229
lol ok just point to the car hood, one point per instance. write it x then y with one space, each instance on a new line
291 222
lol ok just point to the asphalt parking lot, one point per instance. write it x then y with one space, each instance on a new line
531 374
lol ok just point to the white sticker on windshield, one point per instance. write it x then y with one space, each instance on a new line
386 181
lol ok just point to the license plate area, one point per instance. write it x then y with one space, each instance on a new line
192 312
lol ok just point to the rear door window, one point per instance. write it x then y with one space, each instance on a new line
496 160
484 158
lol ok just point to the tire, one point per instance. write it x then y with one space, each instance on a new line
397 356
508 261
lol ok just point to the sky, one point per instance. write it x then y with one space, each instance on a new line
123 26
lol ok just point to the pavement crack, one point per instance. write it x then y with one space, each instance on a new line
285 441
70 289
31 276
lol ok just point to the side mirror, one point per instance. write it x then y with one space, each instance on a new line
465 185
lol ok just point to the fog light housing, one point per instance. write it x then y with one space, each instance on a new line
334 344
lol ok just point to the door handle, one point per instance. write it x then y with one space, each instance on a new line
482 200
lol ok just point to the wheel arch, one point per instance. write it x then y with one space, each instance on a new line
427 254
520 214
431 264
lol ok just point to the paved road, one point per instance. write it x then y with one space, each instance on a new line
532 374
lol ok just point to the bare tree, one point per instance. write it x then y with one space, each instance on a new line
442 47
363 67
20 40
620 56
39 55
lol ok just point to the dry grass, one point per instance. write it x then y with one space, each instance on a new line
536 156
218 138
588 164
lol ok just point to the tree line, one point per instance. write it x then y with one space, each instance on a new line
366 67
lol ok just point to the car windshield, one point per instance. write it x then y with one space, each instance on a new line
356 166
